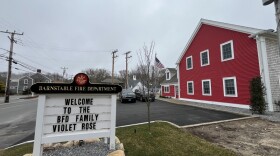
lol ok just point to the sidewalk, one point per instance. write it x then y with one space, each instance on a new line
272 116
14 98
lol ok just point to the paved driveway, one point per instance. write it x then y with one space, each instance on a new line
130 113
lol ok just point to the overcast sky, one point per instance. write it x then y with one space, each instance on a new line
80 34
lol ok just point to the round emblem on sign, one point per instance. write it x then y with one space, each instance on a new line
81 79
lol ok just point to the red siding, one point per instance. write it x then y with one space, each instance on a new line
244 66
171 91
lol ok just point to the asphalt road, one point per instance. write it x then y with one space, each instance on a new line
17 120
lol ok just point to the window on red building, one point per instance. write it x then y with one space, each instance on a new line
190 88
230 86
204 58
189 63
227 52
206 87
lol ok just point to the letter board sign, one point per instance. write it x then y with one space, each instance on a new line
74 111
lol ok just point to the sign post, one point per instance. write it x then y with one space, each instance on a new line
75 111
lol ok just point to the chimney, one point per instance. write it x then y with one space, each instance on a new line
38 70
134 77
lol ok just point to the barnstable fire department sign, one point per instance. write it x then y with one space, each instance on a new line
75 111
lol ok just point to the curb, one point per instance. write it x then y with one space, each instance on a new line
179 103
26 142
216 122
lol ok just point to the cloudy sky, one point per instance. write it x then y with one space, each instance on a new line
81 34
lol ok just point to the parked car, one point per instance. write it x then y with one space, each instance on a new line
143 95
127 95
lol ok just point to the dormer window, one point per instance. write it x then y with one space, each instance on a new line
167 75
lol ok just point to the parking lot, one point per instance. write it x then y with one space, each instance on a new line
131 113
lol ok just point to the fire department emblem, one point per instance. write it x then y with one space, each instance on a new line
81 79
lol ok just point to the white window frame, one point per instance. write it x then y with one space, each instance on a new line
25 81
188 87
210 88
166 89
205 51
167 78
232 51
235 86
187 63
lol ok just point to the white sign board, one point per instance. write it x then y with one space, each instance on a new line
87 111
74 117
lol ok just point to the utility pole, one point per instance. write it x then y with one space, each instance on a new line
64 71
113 64
126 60
10 59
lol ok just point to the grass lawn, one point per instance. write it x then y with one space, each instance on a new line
18 151
165 139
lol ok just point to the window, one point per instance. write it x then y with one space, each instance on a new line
227 52
206 87
25 81
189 63
167 75
230 86
204 58
166 89
190 87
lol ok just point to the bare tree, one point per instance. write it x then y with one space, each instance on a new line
145 57
97 75
122 75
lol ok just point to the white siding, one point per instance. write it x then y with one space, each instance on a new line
273 57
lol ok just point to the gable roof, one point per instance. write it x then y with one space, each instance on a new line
171 81
132 82
238 28
39 75
172 70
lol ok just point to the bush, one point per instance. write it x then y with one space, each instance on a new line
257 91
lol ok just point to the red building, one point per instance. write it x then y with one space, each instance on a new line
169 87
218 63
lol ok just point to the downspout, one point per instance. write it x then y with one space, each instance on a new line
178 77
264 70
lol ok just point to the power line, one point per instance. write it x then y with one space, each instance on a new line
33 61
